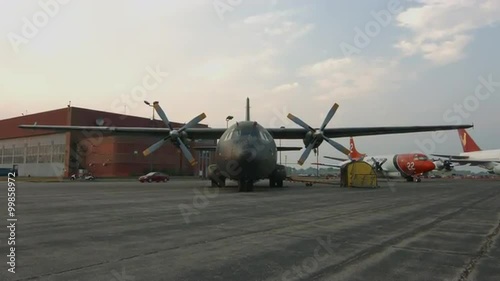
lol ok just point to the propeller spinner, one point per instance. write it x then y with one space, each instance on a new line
316 136
175 136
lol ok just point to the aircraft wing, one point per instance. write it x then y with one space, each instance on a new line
206 148
336 158
465 160
216 133
193 133
328 165
289 148
299 133
474 162
452 157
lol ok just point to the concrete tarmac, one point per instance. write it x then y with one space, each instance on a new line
183 230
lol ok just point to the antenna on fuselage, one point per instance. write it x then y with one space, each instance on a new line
248 110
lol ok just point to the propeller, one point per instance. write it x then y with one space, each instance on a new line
315 136
378 165
444 164
448 166
175 135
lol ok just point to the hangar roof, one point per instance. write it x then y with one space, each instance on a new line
74 116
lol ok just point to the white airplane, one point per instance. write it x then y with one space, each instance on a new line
473 155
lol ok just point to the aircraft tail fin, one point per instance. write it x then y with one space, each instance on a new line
355 155
468 144
248 110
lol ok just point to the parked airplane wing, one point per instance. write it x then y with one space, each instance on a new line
299 133
277 133
453 157
194 133
474 162
328 165
336 158
289 148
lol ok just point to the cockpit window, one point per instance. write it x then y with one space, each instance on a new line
267 135
263 136
421 157
236 133
251 131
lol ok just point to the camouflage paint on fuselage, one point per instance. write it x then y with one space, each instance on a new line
246 151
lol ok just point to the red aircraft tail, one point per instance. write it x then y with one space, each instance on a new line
355 155
468 144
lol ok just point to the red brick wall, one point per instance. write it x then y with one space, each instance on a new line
9 127
117 152
114 156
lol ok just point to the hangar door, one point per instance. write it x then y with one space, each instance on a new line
358 174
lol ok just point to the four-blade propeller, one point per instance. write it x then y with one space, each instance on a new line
377 165
316 136
175 135
443 164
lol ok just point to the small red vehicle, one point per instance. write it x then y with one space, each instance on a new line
154 176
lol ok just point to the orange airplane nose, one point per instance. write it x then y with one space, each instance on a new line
428 166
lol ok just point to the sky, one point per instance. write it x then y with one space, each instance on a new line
386 62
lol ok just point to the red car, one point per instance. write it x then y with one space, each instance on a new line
154 176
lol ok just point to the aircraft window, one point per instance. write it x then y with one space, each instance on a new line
254 132
421 157
268 135
236 134
263 136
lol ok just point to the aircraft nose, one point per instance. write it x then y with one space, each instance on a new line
246 156
429 166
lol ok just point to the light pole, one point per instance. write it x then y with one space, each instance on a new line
227 120
153 119
151 105
282 127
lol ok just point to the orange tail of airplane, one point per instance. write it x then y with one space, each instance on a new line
355 155
468 144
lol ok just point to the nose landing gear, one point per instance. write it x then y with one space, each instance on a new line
245 185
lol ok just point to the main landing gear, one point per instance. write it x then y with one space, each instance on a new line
275 182
415 179
220 183
245 185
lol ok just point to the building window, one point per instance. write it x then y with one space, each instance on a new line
45 153
7 155
58 158
44 158
18 155
32 154
18 159
59 149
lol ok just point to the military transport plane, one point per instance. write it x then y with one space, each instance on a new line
246 151
473 155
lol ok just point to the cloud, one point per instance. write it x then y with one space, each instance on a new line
285 88
351 77
269 18
256 64
280 26
441 28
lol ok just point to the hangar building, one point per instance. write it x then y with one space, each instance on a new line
44 153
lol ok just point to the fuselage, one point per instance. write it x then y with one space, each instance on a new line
402 165
246 151
487 155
